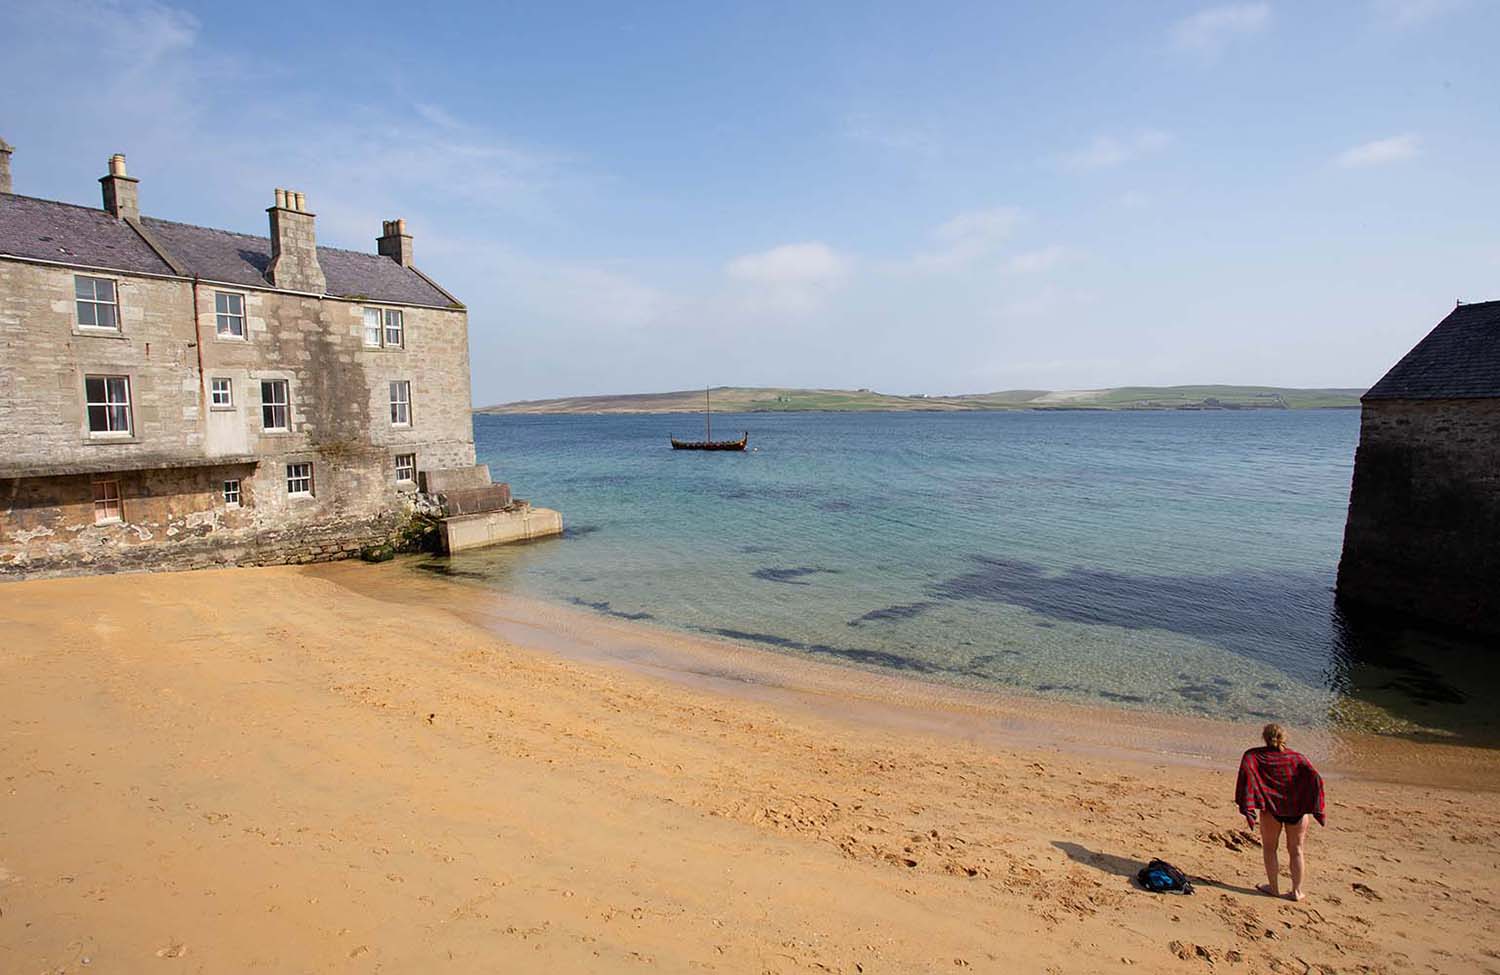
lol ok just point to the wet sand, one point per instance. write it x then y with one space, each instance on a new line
356 768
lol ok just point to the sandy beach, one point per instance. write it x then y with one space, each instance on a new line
358 768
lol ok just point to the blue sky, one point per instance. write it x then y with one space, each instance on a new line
916 198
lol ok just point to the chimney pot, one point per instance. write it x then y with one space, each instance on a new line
294 247
121 191
395 242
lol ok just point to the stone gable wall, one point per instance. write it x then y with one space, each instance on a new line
1424 512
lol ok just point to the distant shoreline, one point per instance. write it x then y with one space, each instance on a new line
732 399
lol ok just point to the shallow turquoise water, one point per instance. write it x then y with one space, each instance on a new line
1176 561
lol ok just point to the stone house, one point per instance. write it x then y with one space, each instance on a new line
176 395
1423 535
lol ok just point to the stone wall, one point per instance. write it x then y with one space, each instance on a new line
46 355
1424 512
171 519
171 470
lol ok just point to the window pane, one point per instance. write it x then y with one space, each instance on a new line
118 388
236 304
98 419
106 315
119 419
94 389
86 313
83 287
104 289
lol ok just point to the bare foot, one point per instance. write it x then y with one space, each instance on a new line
1296 895
1268 890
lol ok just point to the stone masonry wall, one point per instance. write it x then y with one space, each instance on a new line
1424 512
46 355
172 519
175 514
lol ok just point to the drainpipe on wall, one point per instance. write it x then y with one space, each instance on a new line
198 345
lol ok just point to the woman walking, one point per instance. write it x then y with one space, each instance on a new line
1285 787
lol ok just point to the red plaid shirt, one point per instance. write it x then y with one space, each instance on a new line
1280 782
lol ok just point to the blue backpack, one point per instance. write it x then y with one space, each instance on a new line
1160 877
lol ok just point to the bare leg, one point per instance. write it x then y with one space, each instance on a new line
1270 835
1296 842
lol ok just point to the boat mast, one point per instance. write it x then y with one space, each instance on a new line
707 412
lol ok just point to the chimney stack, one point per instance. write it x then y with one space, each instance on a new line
5 150
121 192
294 246
395 242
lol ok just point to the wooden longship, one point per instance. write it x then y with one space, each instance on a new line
708 442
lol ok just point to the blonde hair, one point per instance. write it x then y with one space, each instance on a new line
1275 735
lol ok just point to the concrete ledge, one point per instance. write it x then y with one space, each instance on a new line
498 527
454 479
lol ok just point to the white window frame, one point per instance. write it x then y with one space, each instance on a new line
400 402
215 388
408 463
299 480
108 509
371 318
96 303
109 404
399 329
224 320
231 492
284 404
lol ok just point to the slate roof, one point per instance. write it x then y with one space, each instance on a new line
89 237
1459 359
50 231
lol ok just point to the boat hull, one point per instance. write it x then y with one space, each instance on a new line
711 444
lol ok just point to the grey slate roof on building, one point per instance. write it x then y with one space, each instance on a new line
71 234
46 230
1460 359
221 255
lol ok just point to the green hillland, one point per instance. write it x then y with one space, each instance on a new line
743 399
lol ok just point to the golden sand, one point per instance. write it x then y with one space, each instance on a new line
353 769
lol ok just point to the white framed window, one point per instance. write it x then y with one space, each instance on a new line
107 502
229 315
108 399
97 302
275 405
220 392
232 493
400 403
372 321
406 468
299 480
395 328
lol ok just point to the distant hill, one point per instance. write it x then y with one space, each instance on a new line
742 399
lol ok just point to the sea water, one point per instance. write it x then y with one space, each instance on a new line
1177 561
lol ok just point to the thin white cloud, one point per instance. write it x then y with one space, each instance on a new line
1038 261
792 277
1111 150
812 262
964 239
1379 152
1207 32
1411 13
893 136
